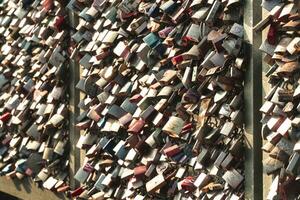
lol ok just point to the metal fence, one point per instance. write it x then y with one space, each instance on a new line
256 183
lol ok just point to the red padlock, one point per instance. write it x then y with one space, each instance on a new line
59 21
5 117
77 192
272 34
188 184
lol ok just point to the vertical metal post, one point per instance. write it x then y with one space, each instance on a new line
74 111
253 100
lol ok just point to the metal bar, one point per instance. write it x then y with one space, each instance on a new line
74 111
253 100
